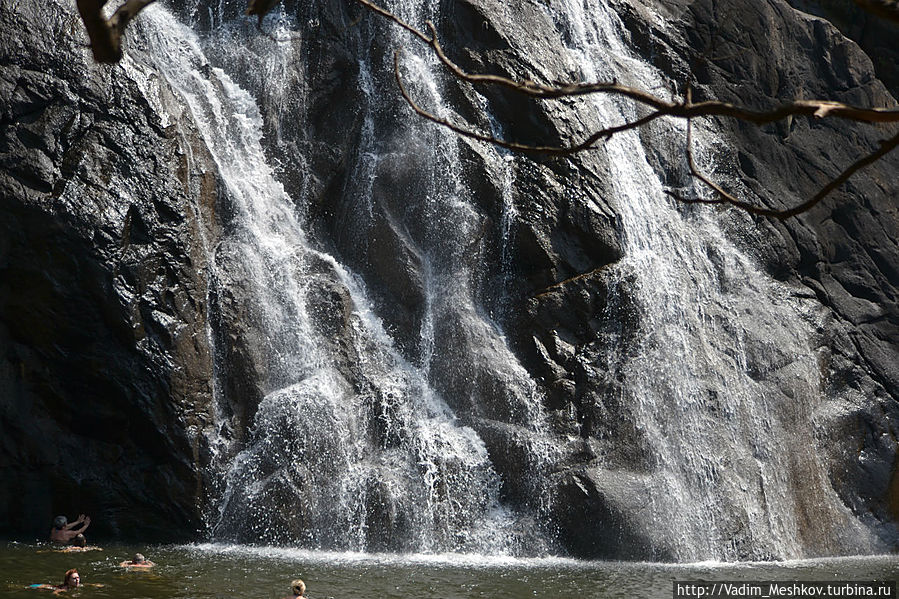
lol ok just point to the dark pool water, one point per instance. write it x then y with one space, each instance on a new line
218 571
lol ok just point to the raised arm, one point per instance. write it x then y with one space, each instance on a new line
71 525
86 522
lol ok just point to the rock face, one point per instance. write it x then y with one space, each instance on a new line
111 316
756 55
871 32
106 363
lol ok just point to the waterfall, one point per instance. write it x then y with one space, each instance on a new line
424 432
720 378
351 446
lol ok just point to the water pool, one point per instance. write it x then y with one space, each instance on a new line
218 571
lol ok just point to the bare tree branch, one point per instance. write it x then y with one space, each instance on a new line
886 146
686 109
389 15
587 144
817 108
106 35
723 196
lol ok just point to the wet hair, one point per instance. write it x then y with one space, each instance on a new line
65 580
60 522
79 540
298 587
138 558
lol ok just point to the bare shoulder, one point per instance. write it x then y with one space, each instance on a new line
140 566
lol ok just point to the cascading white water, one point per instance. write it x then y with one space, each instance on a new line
449 242
721 378
443 228
351 448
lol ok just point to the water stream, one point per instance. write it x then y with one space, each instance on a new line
351 447
721 377
364 443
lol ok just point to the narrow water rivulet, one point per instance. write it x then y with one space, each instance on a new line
721 378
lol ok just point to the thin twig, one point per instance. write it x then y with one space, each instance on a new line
587 144
886 146
723 196
106 35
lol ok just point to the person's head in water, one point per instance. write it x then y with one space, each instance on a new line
79 540
59 522
138 559
72 579
298 587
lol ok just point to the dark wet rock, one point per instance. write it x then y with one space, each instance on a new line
104 346
876 36
108 304
608 501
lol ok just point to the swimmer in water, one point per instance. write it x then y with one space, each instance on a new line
139 562
63 532
298 588
79 543
71 580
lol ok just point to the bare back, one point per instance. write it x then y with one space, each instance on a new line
62 536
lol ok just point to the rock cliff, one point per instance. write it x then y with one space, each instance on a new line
106 362
110 320
757 55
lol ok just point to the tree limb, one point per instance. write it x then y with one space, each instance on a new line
587 144
885 147
816 108
106 35
685 109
